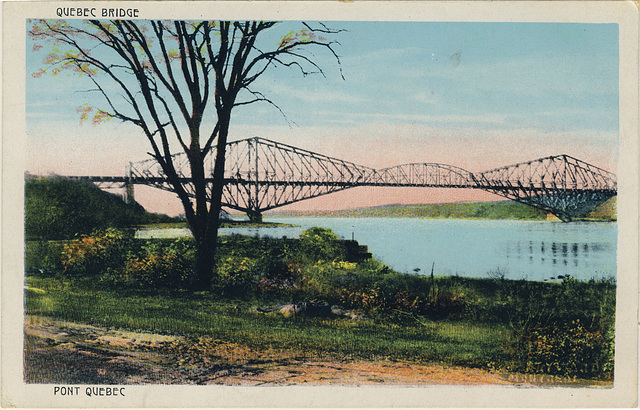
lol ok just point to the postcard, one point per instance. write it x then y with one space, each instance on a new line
320 204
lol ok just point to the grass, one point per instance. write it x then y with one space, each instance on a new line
233 320
112 280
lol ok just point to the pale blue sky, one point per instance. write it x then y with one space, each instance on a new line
476 95
549 76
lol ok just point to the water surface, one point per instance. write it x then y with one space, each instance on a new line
530 250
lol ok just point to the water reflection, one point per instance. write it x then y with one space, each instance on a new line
550 254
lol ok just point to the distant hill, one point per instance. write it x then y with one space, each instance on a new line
57 208
606 211
463 210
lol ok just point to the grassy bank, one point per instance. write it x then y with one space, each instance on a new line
58 208
312 296
236 320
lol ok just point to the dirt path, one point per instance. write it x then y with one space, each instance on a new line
65 352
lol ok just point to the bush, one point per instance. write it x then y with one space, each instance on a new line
159 265
329 281
94 255
43 258
117 259
572 349
234 272
563 328
320 244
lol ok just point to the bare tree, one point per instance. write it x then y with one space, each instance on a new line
179 81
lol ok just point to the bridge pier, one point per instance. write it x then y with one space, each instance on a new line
254 216
128 185
129 198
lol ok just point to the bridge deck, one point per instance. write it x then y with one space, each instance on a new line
263 174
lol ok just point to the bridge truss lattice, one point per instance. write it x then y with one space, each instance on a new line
261 175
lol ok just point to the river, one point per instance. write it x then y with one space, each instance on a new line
529 250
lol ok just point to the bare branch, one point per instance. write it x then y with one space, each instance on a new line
209 143
262 98
324 28
150 63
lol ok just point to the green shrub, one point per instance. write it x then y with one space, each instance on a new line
117 259
563 328
320 244
326 280
158 265
572 349
371 287
94 255
233 272
43 258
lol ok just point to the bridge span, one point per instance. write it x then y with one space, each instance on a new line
261 174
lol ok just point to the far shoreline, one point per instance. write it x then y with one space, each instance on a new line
497 210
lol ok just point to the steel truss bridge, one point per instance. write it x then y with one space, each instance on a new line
261 175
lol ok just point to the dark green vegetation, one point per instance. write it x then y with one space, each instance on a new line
262 285
466 210
57 208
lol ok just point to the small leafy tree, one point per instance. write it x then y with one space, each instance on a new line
179 81
320 244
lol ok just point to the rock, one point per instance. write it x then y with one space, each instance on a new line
290 310
338 311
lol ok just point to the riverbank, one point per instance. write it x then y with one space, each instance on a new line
68 352
223 224
310 299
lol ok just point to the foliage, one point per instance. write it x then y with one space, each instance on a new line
572 349
93 255
58 208
318 244
566 329
234 272
372 288
116 259
159 265
270 256
43 258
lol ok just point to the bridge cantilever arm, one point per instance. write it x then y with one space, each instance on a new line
261 168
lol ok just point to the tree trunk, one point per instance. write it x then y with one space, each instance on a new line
206 245
205 263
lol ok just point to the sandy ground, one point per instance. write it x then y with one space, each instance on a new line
65 352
